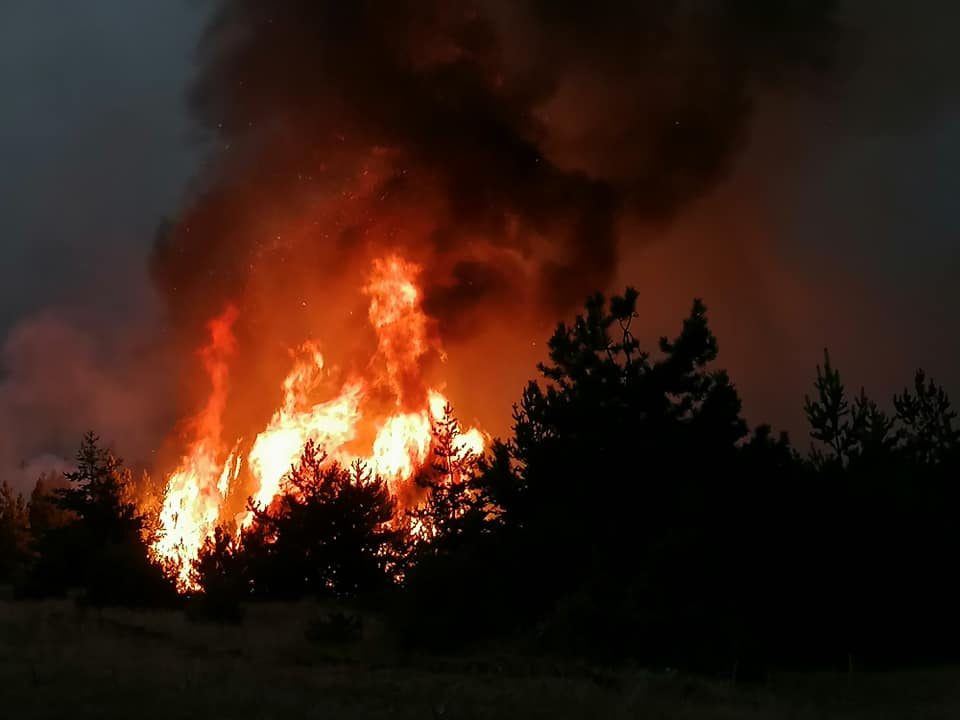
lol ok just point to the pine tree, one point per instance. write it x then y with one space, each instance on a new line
221 571
926 419
329 535
609 504
856 432
98 493
102 546
829 416
450 504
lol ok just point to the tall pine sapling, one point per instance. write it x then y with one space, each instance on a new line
449 505
102 545
926 419
99 494
871 429
829 416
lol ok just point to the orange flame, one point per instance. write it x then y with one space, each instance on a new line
396 315
196 491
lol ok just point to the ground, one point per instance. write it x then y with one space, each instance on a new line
59 661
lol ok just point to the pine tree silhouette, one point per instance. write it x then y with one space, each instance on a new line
450 506
101 547
328 535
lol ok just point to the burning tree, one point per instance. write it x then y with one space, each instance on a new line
336 531
329 534
380 422
450 505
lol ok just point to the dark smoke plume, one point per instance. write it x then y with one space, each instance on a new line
498 142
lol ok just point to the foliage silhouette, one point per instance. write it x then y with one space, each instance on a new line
328 535
632 513
101 547
14 535
606 492
882 489
220 570
450 510
926 418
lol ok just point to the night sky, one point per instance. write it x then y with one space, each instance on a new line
840 213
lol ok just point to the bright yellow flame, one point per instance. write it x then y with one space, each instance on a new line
400 323
330 425
401 446
197 488
196 491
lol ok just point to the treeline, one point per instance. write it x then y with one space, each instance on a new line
81 533
632 515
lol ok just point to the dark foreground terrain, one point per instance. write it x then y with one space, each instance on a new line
58 661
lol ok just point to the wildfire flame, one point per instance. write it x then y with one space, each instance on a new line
196 490
195 499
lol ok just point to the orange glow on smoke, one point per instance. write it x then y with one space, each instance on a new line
197 491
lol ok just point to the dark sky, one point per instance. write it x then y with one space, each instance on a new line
95 147
94 144
856 222
839 224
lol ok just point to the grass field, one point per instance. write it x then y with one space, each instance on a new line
58 661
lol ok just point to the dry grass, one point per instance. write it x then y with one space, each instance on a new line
57 661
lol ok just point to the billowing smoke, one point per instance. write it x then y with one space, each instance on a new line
498 143
63 376
512 148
